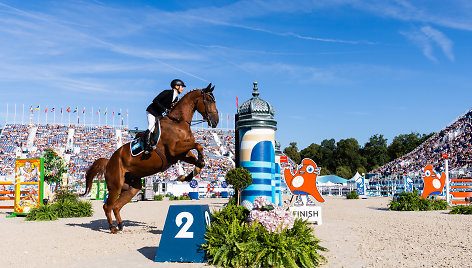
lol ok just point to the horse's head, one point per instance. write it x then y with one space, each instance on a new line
206 106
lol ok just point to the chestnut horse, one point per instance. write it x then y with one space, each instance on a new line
123 172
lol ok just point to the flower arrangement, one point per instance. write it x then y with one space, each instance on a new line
274 218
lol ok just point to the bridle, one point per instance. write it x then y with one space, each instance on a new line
205 114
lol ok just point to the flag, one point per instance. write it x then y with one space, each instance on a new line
53 109
75 110
228 117
237 102
106 111
45 111
98 111
31 108
126 112
119 113
37 108
83 110
113 111
61 110
68 110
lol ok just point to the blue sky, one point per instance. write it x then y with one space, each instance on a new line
331 68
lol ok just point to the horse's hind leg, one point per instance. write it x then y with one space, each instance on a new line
130 188
108 206
125 196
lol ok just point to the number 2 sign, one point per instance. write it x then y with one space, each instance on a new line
183 234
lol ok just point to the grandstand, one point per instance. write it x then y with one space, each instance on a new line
81 145
455 140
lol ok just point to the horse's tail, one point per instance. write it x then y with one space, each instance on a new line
96 169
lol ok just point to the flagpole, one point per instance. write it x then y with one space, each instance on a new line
127 119
121 118
6 118
46 111
54 116
14 117
23 115
62 117
113 117
69 115
98 116
39 111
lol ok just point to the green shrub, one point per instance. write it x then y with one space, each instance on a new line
411 201
158 198
184 197
352 195
231 242
66 205
167 195
42 213
462 209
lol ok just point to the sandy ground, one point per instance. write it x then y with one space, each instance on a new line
358 233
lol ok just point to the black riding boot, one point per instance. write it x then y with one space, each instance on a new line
147 141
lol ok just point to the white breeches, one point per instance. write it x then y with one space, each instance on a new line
151 121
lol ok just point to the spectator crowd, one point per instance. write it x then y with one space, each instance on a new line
81 145
454 140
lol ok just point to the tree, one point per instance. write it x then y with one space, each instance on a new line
375 151
54 166
348 154
240 178
313 152
405 143
292 152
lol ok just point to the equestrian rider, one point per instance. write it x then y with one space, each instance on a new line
162 103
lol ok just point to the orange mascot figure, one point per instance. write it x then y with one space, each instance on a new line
433 184
304 180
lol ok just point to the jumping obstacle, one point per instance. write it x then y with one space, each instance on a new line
26 194
461 190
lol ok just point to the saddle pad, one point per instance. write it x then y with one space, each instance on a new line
137 145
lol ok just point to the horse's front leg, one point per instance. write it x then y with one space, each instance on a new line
191 159
184 149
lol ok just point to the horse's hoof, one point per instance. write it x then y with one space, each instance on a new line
114 230
120 226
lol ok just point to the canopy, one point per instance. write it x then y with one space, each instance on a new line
330 178
356 177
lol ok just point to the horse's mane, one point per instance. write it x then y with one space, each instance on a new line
184 96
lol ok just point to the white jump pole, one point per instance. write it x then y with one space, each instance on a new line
448 198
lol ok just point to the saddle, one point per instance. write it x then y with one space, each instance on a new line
137 145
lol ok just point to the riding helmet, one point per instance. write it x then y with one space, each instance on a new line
177 82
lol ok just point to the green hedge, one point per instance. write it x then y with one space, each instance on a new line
411 201
462 209
66 205
232 242
352 195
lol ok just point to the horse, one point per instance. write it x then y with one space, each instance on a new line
123 172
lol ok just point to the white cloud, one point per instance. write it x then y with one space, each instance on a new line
440 39
426 37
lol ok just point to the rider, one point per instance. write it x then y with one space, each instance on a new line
162 103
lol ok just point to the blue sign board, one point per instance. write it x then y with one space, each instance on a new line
193 183
183 234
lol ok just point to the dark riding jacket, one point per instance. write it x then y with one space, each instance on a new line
161 103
